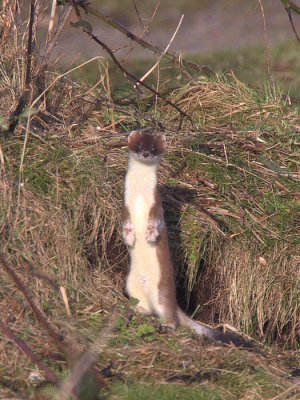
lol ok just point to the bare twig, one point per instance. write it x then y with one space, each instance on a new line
146 26
66 300
51 21
79 377
289 13
138 14
62 19
36 20
219 224
266 43
290 7
130 75
164 52
65 347
23 346
29 44
38 98
86 361
173 57
33 272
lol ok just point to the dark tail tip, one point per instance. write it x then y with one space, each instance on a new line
236 340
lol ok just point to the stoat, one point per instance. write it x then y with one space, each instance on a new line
151 276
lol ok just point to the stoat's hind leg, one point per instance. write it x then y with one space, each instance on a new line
170 322
135 290
168 314
142 309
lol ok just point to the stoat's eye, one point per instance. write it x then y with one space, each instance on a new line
153 150
138 147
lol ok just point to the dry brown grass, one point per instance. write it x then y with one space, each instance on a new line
244 170
226 99
58 218
59 223
9 12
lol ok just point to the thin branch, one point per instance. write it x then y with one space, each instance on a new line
290 7
86 361
164 52
266 41
62 19
66 348
138 14
23 346
130 75
51 21
289 13
146 27
29 44
173 57
38 98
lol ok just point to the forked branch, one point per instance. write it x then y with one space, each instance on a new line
65 347
23 346
169 55
125 71
69 349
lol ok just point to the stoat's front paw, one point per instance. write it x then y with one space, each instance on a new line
152 232
128 235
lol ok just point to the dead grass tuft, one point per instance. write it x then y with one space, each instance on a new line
227 100
232 203
239 227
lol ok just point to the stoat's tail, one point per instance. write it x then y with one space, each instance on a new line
214 334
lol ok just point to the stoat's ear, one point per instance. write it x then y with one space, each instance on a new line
161 143
134 136
134 139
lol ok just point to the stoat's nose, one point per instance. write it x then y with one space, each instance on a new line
146 154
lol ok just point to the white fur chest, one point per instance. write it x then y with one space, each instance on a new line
140 187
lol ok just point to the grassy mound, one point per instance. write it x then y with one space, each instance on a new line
243 169
231 190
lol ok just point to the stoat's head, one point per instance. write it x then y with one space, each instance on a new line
145 147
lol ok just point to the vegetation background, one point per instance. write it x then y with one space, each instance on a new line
228 35
230 184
